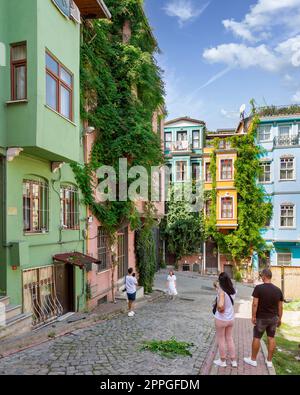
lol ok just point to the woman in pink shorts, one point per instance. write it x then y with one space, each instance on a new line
224 320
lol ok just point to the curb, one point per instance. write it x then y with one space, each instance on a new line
264 350
208 363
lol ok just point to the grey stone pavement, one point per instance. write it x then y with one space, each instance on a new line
113 346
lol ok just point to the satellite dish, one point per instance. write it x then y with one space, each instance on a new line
242 109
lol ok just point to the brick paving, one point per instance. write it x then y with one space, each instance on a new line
243 337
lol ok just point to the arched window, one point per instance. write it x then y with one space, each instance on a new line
35 206
69 202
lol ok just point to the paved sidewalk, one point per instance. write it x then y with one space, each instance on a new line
243 332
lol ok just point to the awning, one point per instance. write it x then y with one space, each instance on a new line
76 259
93 9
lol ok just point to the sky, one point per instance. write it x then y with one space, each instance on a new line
219 54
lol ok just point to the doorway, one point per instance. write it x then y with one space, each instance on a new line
65 289
211 257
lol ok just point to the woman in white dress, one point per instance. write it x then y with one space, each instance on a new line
171 285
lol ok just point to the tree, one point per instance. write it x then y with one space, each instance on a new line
182 229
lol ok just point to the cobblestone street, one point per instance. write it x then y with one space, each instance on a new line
113 347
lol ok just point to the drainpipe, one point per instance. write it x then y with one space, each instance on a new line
82 291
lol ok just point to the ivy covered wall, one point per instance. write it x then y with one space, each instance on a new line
254 209
121 88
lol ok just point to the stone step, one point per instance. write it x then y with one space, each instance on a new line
17 325
5 300
12 311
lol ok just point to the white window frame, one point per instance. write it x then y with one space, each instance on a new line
262 164
283 253
294 216
187 178
285 126
220 207
294 169
263 128
220 169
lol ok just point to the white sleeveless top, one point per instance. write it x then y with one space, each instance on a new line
228 313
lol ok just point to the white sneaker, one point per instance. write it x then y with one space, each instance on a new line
220 363
249 361
131 314
234 364
269 364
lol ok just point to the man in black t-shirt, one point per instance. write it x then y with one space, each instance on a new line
266 316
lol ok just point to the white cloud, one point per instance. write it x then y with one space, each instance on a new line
290 50
265 14
184 10
296 97
230 114
240 55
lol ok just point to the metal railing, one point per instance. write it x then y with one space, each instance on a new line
184 146
287 141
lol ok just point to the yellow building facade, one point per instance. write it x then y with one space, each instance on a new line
227 204
223 181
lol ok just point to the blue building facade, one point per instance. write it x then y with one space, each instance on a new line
279 135
183 148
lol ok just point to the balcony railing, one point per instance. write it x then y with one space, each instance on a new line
181 146
287 141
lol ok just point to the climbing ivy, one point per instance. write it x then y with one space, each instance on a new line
145 250
254 209
121 88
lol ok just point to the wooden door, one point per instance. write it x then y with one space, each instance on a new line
211 257
64 278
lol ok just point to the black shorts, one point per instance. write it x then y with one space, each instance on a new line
131 297
263 325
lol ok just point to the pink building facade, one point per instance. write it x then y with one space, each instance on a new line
102 277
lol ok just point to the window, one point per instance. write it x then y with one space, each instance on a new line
226 169
284 259
122 252
168 174
18 72
35 206
265 175
59 87
102 249
182 136
195 171
208 205
181 171
69 201
168 141
287 216
264 133
196 139
227 207
286 169
207 172
284 132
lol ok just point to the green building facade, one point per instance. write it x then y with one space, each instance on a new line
40 135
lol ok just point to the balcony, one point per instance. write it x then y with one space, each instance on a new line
93 9
287 141
179 146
